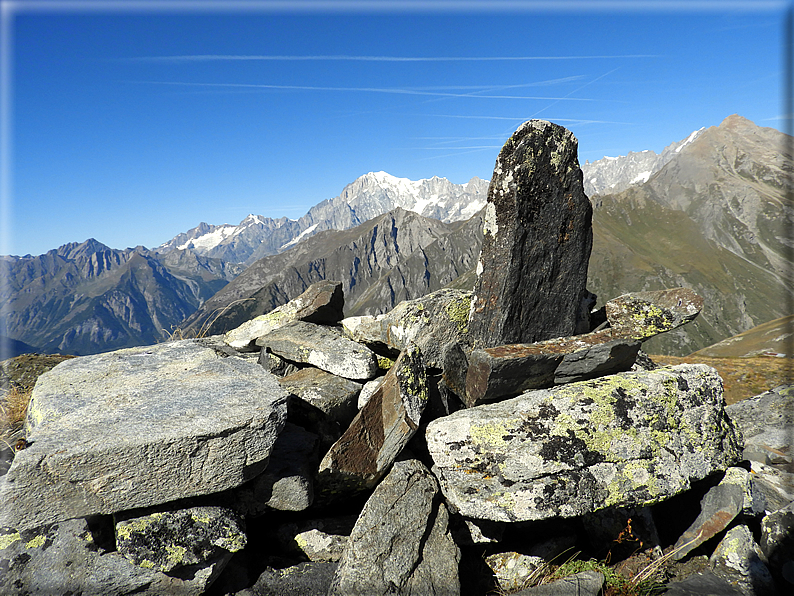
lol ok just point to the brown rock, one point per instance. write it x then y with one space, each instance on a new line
366 450
506 371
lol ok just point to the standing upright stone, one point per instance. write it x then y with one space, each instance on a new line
537 239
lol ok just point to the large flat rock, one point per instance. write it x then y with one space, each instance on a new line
630 439
139 427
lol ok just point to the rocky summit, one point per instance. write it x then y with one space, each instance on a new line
412 452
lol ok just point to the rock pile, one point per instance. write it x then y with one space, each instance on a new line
403 454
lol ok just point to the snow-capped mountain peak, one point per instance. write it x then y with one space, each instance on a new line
614 174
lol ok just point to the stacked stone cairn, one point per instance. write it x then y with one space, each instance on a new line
463 443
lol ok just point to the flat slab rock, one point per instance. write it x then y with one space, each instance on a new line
322 302
140 427
629 439
506 371
322 347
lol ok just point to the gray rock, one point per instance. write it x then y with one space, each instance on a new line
702 584
537 238
322 302
718 508
630 439
276 365
777 544
586 583
322 347
61 559
428 322
737 559
598 360
198 540
140 427
400 543
367 391
776 485
318 539
642 315
513 571
336 396
380 431
767 423
288 482
305 579
505 371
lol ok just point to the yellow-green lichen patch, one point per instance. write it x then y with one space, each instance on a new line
385 363
146 564
233 541
491 434
633 476
202 519
175 555
7 540
458 312
125 530
598 399
37 542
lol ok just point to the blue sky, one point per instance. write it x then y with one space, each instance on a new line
130 122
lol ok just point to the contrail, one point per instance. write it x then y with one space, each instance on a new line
221 57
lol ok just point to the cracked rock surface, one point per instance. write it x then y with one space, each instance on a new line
632 439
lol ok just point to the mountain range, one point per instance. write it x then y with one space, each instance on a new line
368 196
712 212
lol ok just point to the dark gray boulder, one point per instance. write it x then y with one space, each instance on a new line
537 239
400 543
191 542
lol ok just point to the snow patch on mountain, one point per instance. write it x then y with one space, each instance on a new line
299 237
614 174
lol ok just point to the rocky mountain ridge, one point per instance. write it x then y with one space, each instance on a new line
366 197
84 297
614 174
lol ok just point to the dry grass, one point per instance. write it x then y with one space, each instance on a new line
13 408
742 377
